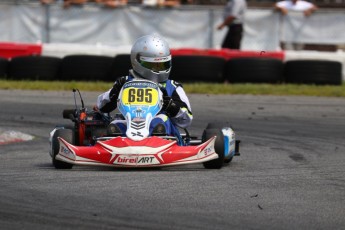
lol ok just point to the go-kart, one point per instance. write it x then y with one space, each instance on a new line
92 140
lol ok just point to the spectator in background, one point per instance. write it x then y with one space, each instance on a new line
160 3
296 5
186 2
233 19
68 3
107 3
113 3
47 1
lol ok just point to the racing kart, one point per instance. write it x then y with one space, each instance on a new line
92 140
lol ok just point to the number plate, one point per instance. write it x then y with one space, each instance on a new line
135 96
145 95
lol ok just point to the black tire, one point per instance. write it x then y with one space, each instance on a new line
220 125
320 72
219 148
254 70
197 69
85 67
120 67
3 67
66 134
34 68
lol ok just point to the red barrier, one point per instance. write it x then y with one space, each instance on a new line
228 54
10 49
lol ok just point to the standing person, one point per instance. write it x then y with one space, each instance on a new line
68 3
161 3
295 5
151 60
233 18
113 3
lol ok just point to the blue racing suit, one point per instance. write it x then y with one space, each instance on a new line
176 110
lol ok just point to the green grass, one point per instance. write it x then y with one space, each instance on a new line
203 88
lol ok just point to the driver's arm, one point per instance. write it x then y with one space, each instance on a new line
107 102
177 107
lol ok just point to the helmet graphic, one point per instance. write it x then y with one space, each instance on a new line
151 59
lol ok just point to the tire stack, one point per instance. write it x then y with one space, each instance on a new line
3 67
85 68
319 72
185 68
120 66
34 68
197 69
254 70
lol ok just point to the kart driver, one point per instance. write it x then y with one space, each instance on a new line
151 60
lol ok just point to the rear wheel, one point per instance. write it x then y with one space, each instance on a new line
218 146
67 135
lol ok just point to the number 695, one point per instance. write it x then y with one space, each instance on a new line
140 95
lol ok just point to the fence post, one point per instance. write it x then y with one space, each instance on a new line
46 30
210 28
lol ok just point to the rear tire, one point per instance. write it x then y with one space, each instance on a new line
218 146
67 135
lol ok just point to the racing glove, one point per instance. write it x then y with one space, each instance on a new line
113 95
170 106
115 91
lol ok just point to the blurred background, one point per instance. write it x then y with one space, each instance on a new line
189 24
108 28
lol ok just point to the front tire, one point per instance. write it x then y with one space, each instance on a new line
220 125
67 135
218 146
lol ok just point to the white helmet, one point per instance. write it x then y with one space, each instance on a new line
151 59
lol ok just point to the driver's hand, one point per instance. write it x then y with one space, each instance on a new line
119 83
116 89
95 108
170 107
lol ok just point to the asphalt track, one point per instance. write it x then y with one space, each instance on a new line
290 175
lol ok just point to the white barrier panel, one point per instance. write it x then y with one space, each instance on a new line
325 27
261 31
122 26
182 27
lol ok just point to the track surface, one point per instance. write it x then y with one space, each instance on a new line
291 174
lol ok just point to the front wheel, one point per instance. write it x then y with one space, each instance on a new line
218 146
67 135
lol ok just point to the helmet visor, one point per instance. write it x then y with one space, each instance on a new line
156 64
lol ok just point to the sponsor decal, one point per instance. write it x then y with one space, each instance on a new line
207 151
161 59
137 134
136 160
65 151
141 84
